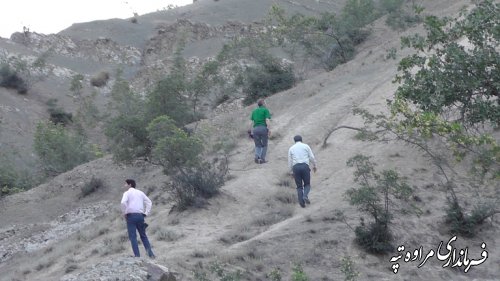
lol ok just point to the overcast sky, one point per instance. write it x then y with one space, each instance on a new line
52 16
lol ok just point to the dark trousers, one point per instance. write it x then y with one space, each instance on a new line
260 138
302 176
135 222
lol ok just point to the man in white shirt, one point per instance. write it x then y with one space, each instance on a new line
135 206
300 157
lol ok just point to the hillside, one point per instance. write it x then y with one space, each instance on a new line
51 233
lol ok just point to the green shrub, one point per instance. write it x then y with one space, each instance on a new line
269 78
298 273
11 181
374 237
192 186
347 268
173 148
275 275
467 224
373 197
217 271
9 78
128 137
126 128
76 84
100 80
167 98
58 149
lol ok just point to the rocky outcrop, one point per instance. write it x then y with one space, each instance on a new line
29 238
164 44
102 50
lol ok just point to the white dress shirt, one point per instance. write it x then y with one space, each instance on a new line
300 153
133 201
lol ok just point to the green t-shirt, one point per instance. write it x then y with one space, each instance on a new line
259 116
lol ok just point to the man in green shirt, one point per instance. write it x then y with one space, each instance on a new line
261 119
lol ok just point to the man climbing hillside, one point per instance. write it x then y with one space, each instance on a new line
261 119
300 157
135 207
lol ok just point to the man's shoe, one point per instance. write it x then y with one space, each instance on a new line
262 161
307 201
256 161
303 205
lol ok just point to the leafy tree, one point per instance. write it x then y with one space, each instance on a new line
458 67
326 38
193 179
447 105
173 148
401 15
13 179
358 13
167 98
126 128
60 150
267 79
374 196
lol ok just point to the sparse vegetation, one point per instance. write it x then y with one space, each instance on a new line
401 15
275 275
60 150
347 268
76 84
375 236
298 273
269 78
217 271
12 179
450 128
92 186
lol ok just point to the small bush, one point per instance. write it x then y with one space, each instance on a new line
59 149
275 275
167 235
466 224
92 186
13 180
9 78
193 185
269 78
347 267
298 273
374 196
100 80
57 114
375 237
217 271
